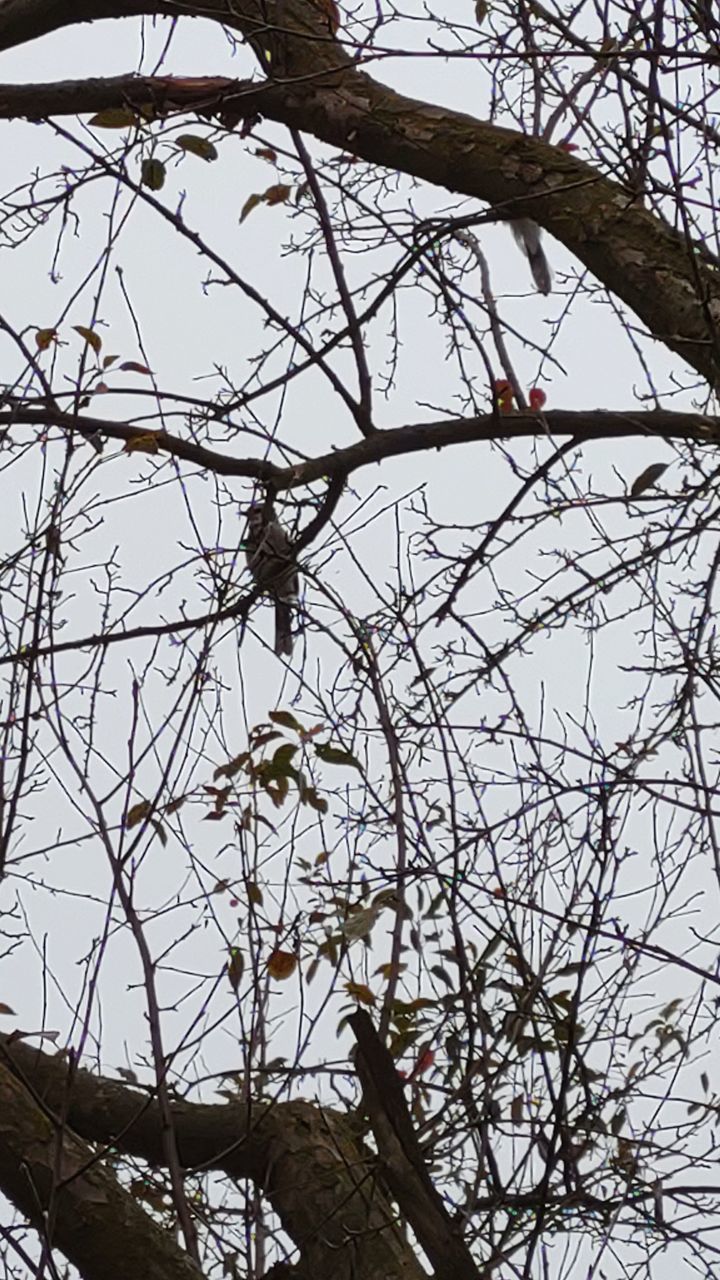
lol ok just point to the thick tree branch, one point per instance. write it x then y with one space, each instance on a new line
401 1160
76 1204
318 90
307 1160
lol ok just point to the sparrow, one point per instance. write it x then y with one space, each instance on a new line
268 551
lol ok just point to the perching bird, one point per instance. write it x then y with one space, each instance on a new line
527 233
268 551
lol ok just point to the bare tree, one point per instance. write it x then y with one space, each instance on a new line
394 949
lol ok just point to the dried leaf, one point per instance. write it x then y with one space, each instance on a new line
282 964
277 194
136 813
44 338
360 992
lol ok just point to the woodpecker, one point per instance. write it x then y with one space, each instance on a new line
268 552
527 233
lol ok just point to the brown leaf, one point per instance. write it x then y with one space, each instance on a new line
282 964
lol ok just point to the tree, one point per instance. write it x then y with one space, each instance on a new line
409 942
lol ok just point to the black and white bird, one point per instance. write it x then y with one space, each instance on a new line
268 551
528 235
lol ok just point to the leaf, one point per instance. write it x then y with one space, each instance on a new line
160 831
360 924
254 894
647 478
5 1008
196 146
251 203
516 1109
108 360
44 338
282 964
232 767
277 194
132 366
286 720
481 11
114 118
266 153
235 967
281 764
153 174
93 339
146 442
136 813
360 992
336 755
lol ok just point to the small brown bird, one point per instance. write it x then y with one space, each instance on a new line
268 551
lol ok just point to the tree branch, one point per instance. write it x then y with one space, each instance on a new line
307 1160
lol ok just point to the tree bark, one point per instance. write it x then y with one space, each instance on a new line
314 86
309 1161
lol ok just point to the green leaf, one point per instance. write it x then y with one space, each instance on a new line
114 118
197 146
286 720
336 755
152 174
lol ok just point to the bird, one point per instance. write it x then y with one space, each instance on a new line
270 559
527 233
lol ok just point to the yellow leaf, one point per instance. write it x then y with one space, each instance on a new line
145 443
93 339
